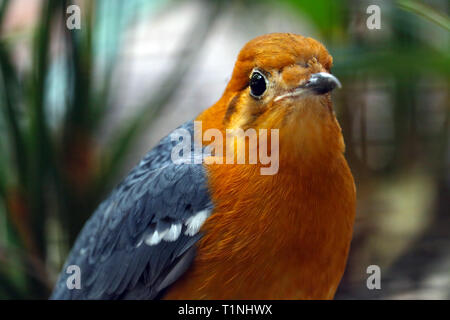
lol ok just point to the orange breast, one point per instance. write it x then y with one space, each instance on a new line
284 236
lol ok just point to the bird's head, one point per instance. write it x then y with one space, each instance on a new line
283 81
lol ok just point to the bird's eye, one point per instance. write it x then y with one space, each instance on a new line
257 84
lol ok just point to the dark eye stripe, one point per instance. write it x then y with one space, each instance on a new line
231 108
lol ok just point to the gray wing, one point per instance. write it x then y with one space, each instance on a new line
141 239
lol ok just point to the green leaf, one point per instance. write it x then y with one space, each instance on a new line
9 89
427 12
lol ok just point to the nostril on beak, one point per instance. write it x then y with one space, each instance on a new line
322 82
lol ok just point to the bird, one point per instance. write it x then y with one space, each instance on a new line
210 229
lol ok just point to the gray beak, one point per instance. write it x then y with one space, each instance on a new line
321 83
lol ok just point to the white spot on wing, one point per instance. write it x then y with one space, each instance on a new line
155 237
139 243
170 234
152 239
194 223
173 233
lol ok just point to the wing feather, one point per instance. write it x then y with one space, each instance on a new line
135 243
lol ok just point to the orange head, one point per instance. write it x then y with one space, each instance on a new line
283 81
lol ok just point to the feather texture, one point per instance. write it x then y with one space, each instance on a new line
138 236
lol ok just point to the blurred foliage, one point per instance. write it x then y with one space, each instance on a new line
403 203
426 12
52 176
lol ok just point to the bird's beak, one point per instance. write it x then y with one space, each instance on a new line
318 84
321 83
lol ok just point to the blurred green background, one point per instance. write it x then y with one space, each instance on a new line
78 108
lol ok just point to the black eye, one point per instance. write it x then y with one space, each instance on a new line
257 84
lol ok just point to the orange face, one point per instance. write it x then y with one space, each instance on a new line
283 81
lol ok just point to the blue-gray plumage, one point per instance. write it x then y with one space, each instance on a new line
139 240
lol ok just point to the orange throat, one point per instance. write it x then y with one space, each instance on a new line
281 236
